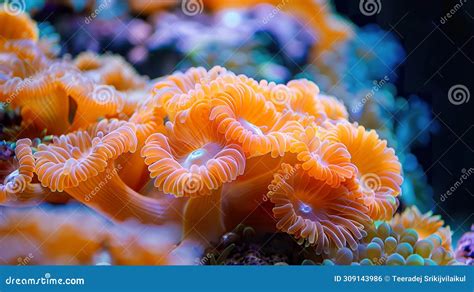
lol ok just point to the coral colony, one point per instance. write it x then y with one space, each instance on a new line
200 166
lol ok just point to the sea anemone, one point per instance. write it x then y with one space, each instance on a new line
147 121
169 92
113 70
109 70
323 159
194 160
15 26
247 118
82 164
32 86
92 100
307 100
314 212
18 187
378 177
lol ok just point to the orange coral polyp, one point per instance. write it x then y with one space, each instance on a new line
247 118
333 108
21 58
83 165
307 100
175 92
94 101
18 188
74 158
147 121
330 162
193 158
314 212
17 26
110 70
379 178
33 86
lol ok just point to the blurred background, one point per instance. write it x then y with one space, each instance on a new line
404 68
440 55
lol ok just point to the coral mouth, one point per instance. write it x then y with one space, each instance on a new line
201 155
251 127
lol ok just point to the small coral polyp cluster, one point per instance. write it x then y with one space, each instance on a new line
412 239
203 150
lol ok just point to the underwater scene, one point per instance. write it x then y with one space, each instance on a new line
237 132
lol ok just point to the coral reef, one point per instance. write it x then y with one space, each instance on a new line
394 245
173 164
304 39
